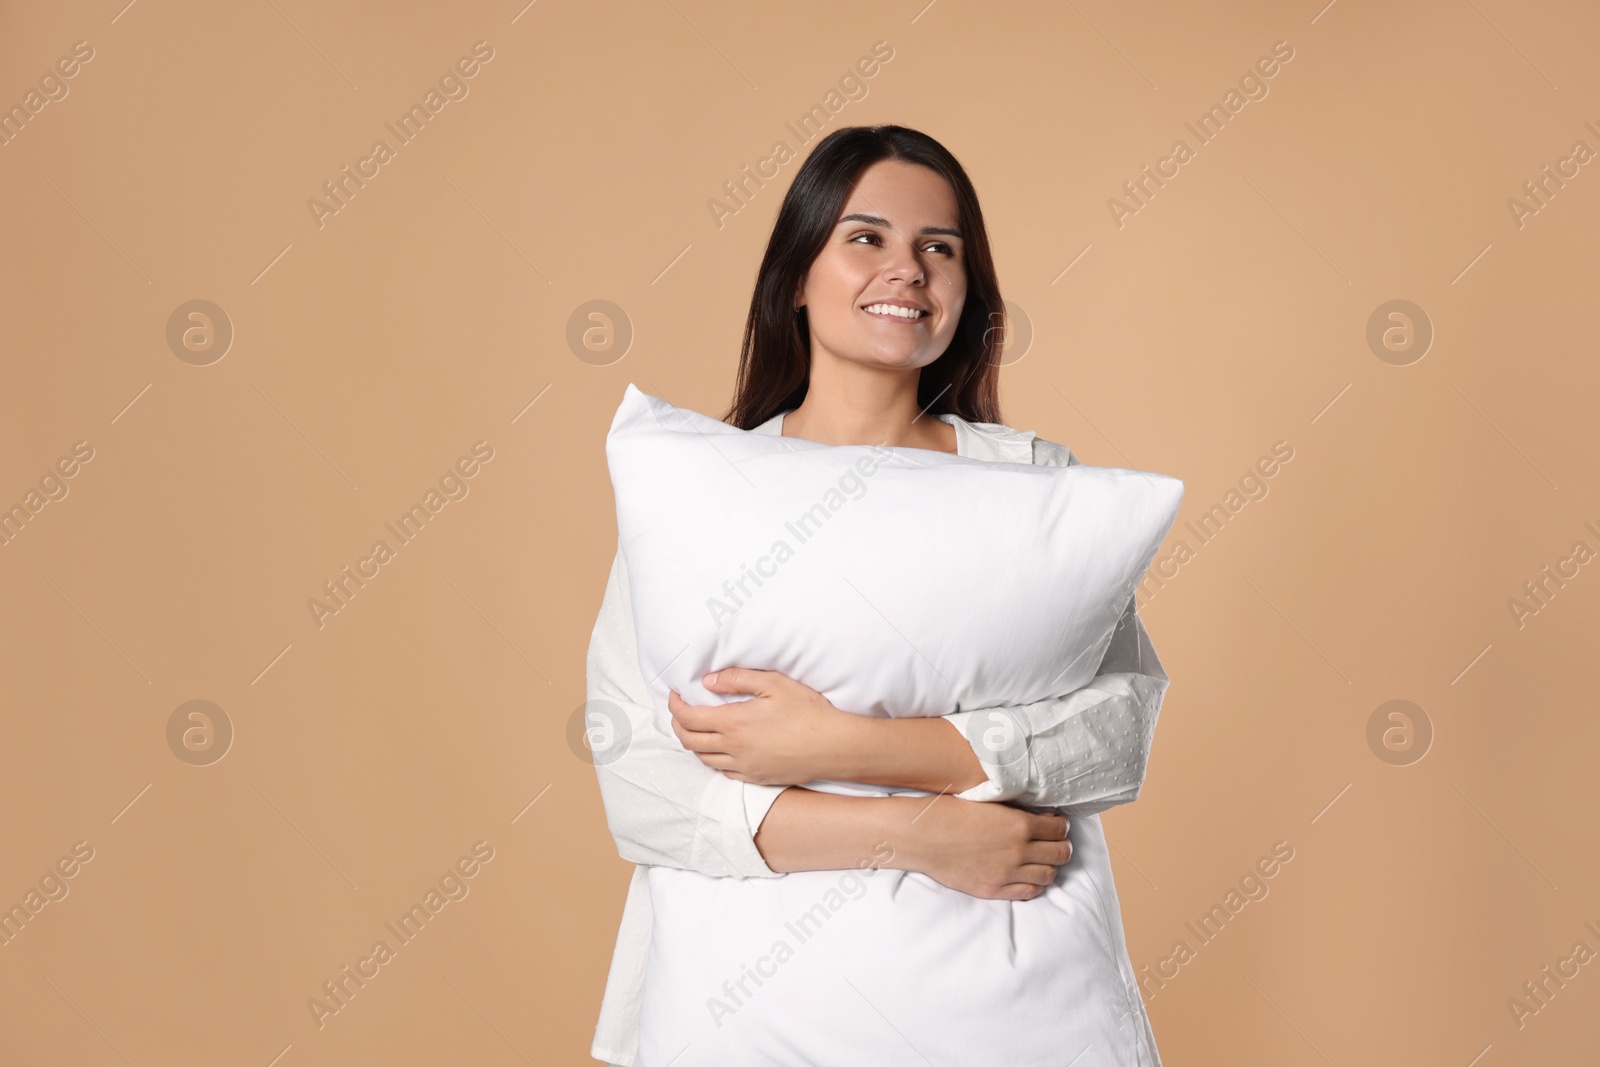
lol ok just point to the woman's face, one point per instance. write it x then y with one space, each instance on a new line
897 242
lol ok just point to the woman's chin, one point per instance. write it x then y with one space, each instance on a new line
878 359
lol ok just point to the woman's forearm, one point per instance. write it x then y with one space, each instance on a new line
995 851
809 830
914 753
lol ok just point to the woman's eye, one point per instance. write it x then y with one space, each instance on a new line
941 246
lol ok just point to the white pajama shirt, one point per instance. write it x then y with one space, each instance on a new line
1086 752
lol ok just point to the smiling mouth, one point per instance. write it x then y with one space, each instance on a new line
895 313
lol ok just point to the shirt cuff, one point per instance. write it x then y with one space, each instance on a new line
1001 745
727 833
757 799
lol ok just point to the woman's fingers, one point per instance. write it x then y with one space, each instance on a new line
1031 880
696 717
1052 852
1019 891
677 706
1036 873
742 680
1049 825
696 740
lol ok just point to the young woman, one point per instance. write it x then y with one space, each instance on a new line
876 305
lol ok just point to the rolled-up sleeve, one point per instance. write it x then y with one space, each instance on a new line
663 806
1083 752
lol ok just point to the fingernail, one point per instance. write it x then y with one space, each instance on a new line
711 679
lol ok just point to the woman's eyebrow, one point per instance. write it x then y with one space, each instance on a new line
875 220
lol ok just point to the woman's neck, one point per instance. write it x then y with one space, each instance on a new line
869 408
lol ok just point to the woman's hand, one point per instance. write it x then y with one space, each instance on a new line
991 850
785 734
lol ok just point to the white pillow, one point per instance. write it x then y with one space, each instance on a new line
896 582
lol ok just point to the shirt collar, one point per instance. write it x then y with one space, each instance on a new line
978 440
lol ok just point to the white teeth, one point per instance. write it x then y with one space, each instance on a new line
891 309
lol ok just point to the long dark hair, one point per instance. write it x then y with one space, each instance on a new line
775 359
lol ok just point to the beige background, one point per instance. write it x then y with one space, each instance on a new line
431 312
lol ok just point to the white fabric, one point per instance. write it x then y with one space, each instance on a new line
1018 962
